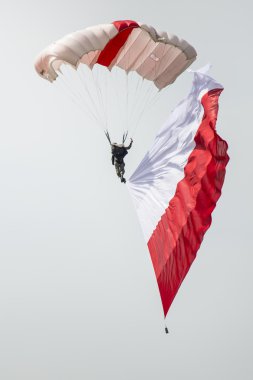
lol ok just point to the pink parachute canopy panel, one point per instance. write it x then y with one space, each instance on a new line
156 56
177 184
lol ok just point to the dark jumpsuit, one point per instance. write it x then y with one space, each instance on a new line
118 154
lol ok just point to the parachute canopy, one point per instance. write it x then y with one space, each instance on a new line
156 56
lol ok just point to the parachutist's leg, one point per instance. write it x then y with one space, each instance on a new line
117 167
122 172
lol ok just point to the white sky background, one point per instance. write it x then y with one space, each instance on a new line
78 296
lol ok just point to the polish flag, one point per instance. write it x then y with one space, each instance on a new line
177 184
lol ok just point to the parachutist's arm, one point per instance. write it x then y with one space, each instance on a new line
129 146
113 159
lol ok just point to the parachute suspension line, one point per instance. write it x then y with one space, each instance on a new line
119 106
92 79
128 86
127 108
124 137
99 95
76 96
106 99
154 97
148 100
76 99
88 99
135 98
126 96
134 93
87 93
86 80
127 90
137 102
61 82
125 83
108 136
121 101
124 100
143 102
102 74
153 100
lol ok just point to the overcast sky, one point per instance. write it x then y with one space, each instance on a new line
78 295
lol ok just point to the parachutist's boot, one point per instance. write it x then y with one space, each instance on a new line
123 180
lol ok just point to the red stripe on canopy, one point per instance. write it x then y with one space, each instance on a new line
110 51
124 24
178 235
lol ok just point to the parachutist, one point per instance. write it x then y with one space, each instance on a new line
166 330
119 151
